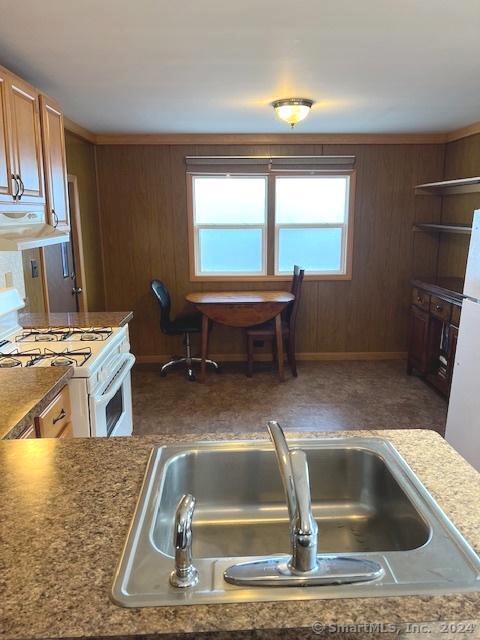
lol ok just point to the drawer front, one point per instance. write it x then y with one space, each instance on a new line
28 433
456 313
51 422
421 299
440 309
67 431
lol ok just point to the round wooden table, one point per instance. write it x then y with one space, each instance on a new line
241 309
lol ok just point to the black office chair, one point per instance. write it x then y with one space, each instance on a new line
183 324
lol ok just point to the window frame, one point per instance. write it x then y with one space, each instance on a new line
270 233
314 225
196 228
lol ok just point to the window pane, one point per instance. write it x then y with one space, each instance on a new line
311 200
230 250
222 200
316 250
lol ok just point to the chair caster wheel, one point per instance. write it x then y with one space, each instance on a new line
163 374
191 376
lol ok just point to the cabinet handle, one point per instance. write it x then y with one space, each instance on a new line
55 219
438 307
17 187
60 416
22 186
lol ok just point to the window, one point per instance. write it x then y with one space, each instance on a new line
229 222
311 217
257 223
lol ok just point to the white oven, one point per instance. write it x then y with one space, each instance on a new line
110 404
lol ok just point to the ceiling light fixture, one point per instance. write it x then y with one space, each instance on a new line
292 110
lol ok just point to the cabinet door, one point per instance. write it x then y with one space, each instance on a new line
418 340
26 141
55 165
7 183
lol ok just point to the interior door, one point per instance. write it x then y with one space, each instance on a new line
26 141
59 265
55 163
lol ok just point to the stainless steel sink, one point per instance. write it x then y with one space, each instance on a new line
366 501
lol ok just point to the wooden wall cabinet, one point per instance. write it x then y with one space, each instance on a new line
7 183
25 148
55 163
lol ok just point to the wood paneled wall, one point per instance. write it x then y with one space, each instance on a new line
462 160
81 163
34 297
143 214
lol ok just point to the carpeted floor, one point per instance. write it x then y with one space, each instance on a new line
331 396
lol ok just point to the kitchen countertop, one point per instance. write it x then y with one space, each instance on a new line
25 392
66 509
73 319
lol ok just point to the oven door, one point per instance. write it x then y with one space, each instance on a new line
111 409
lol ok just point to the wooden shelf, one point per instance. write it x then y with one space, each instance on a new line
447 187
444 228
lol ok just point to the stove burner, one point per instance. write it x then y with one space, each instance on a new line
9 363
62 361
20 358
45 337
74 357
32 357
62 334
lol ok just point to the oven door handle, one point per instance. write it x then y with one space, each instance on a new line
119 377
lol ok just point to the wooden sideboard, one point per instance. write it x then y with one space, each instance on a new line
433 331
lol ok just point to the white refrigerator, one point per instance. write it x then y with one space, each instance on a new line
463 420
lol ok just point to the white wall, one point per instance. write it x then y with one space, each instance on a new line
11 262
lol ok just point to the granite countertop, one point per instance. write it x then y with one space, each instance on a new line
24 393
73 319
66 509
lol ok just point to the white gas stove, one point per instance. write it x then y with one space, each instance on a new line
100 388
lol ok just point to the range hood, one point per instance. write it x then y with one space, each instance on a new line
28 232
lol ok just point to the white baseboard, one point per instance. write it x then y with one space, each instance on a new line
305 356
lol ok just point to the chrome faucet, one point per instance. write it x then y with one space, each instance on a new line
304 567
184 574
303 527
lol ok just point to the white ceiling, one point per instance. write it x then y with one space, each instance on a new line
208 66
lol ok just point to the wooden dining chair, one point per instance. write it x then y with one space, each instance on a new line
266 331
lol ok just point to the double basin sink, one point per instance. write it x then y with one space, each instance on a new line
367 502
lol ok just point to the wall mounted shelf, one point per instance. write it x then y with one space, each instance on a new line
448 187
444 228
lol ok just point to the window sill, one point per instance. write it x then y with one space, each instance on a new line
285 278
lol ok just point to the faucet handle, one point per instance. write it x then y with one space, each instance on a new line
184 574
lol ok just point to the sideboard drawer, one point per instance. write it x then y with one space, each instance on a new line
440 309
420 299
456 313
